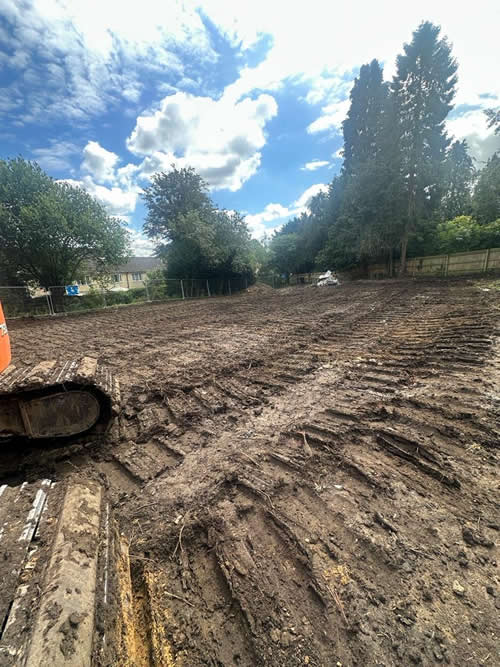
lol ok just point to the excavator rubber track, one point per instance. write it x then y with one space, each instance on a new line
57 400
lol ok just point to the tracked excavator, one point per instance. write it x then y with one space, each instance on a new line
66 598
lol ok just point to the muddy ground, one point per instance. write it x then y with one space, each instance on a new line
306 477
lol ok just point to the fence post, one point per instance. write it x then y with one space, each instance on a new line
446 265
104 297
246 283
208 289
486 260
182 289
51 312
229 285
147 292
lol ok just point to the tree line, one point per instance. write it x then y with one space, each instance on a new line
404 187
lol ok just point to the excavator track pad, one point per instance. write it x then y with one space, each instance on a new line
57 400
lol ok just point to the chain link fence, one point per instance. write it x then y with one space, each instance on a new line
24 302
58 299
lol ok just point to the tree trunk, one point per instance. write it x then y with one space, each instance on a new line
412 207
404 246
391 263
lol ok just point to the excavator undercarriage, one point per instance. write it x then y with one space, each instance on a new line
52 400
65 594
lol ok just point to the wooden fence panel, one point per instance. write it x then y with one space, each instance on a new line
474 261
467 262
493 259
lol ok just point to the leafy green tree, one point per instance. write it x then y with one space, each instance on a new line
155 275
295 247
423 88
464 233
232 239
195 239
260 256
170 195
50 230
459 178
285 252
367 228
486 199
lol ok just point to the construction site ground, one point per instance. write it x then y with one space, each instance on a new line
304 476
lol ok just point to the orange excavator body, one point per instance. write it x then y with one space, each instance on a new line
5 355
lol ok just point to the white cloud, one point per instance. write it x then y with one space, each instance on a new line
328 55
304 200
99 162
271 212
332 116
220 138
472 126
141 246
56 156
325 86
94 52
314 164
274 212
118 201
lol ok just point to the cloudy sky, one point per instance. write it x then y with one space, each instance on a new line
252 94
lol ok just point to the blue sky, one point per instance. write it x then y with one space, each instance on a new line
104 93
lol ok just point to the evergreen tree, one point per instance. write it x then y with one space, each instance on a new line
364 228
424 87
364 125
493 116
459 175
486 201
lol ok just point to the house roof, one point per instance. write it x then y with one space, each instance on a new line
139 265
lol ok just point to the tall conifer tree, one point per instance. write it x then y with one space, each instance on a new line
459 176
424 88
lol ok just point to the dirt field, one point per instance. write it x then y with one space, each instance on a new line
306 477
